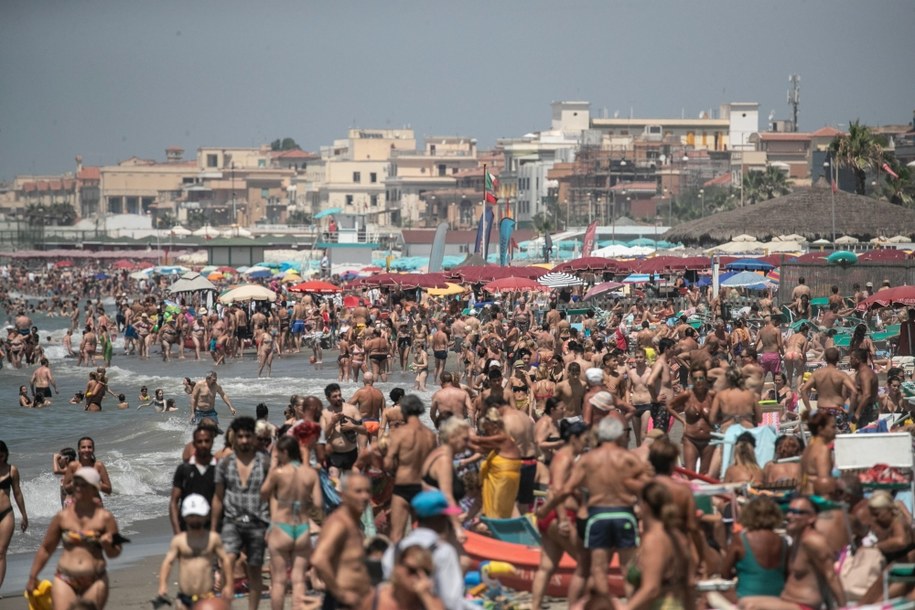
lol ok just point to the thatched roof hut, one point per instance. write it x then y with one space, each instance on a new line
806 212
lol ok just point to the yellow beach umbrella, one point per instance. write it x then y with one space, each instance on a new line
547 266
452 289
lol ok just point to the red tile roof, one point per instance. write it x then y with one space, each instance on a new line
785 136
634 186
89 173
722 180
827 132
294 154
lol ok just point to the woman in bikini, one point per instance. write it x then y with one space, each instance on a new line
293 490
9 481
893 401
343 346
89 534
357 358
796 354
692 408
543 389
420 365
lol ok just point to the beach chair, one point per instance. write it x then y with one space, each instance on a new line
900 572
517 530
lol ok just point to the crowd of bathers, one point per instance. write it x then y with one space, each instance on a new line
592 422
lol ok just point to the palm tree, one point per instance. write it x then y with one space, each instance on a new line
901 190
753 187
859 150
775 183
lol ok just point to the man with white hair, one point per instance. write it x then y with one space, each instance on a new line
613 477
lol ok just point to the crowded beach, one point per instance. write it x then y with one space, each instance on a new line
704 435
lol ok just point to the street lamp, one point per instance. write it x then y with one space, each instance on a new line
234 211
702 201
670 206
833 177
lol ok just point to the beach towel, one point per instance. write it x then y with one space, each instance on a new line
765 444
500 478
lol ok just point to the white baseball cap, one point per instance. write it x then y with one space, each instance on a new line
195 504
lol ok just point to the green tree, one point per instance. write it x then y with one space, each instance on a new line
165 220
860 150
284 144
544 223
62 214
195 219
901 190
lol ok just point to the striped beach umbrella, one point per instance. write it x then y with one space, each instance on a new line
557 279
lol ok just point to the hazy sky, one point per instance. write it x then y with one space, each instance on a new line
111 79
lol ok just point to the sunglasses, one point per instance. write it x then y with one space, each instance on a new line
798 511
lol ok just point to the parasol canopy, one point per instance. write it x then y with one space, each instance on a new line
746 279
316 286
900 295
179 231
588 263
602 288
507 284
451 290
247 292
749 264
556 279
191 282
843 258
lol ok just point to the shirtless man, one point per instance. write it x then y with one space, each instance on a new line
520 428
829 383
298 324
571 391
639 395
203 399
195 550
339 557
440 349
769 344
407 450
42 382
660 385
370 402
810 564
614 477
342 424
451 400
378 351
867 405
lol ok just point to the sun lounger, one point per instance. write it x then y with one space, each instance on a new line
517 530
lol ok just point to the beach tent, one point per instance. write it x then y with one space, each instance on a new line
191 282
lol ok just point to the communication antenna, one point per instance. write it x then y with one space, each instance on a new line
772 120
794 95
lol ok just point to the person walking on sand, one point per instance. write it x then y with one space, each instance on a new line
9 489
196 550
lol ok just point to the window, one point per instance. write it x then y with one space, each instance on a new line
265 193
349 200
373 200
373 177
442 169
262 163
212 160
357 177
432 150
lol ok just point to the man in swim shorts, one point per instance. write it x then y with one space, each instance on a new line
203 399
614 477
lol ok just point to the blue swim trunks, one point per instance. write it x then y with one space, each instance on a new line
611 527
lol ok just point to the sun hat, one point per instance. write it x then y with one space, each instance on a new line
89 475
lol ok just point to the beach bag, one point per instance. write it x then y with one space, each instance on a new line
860 570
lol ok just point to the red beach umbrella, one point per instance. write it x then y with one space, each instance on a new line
513 284
315 286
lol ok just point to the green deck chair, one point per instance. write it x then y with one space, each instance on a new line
517 530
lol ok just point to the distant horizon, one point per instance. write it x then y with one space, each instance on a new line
109 81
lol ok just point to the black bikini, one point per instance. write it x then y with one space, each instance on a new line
5 485
457 485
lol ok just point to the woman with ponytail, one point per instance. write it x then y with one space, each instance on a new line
660 574
745 468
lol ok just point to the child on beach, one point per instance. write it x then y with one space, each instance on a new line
195 551
144 397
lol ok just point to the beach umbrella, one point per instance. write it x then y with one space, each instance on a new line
641 241
512 284
170 269
602 288
191 282
746 279
450 290
899 239
101 276
315 286
63 263
898 296
140 275
842 258
587 263
179 231
123 264
749 264
215 276
258 272
847 240
883 255
639 278
556 279
206 231
247 292
327 212
421 280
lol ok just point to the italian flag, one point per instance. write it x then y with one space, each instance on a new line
489 188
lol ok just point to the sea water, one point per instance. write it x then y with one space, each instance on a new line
140 448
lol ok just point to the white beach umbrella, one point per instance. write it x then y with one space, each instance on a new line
560 280
179 231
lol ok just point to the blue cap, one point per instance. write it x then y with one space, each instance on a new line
432 504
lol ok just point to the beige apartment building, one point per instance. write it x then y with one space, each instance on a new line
352 173
426 187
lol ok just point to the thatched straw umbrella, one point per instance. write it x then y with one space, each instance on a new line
805 212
